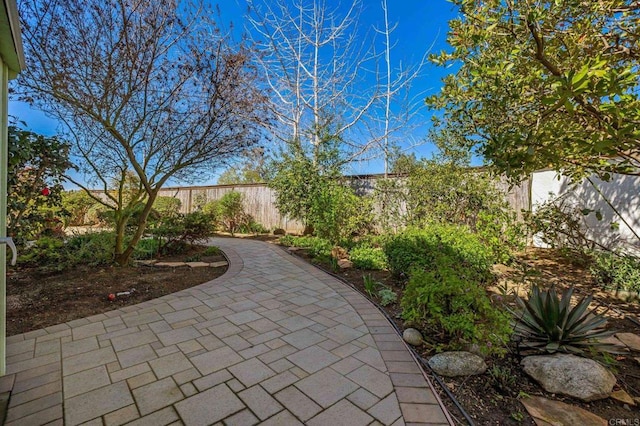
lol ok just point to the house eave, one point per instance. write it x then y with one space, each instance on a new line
11 49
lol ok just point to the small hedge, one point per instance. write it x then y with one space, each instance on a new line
442 299
420 248
317 247
365 257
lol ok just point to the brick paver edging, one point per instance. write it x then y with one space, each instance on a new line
273 341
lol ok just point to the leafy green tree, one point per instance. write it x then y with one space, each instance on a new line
231 211
251 170
36 168
403 163
445 192
544 83
313 191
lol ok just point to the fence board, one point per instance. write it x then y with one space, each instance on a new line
259 199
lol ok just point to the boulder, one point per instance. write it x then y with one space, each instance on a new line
338 252
457 363
570 375
412 337
279 231
548 412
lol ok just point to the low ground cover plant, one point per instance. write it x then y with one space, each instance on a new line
446 301
58 253
615 271
318 247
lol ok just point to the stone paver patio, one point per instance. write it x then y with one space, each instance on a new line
274 341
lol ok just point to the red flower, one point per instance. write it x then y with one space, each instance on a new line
45 191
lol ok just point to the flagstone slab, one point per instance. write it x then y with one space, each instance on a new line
546 412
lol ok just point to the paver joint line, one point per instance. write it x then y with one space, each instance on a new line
273 340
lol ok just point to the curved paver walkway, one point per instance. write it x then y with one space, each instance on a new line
273 341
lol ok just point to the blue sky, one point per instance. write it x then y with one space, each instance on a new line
421 24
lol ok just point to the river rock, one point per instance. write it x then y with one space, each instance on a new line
571 375
632 341
457 363
548 412
412 337
345 264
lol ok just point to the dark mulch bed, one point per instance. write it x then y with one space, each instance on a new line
494 399
39 297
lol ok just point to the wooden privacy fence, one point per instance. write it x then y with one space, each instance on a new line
259 199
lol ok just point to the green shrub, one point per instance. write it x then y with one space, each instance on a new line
317 247
212 251
167 206
287 240
147 248
93 248
211 208
35 167
250 226
370 285
174 232
46 251
364 257
501 233
77 203
337 213
97 214
550 324
444 299
231 211
419 248
313 191
615 271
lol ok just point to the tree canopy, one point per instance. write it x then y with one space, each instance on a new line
146 87
544 84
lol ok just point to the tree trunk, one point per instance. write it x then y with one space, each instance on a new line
123 258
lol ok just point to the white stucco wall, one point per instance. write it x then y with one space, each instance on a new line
623 192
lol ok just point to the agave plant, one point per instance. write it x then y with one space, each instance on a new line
550 324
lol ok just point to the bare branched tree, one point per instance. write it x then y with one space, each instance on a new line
315 61
394 118
149 87
331 81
